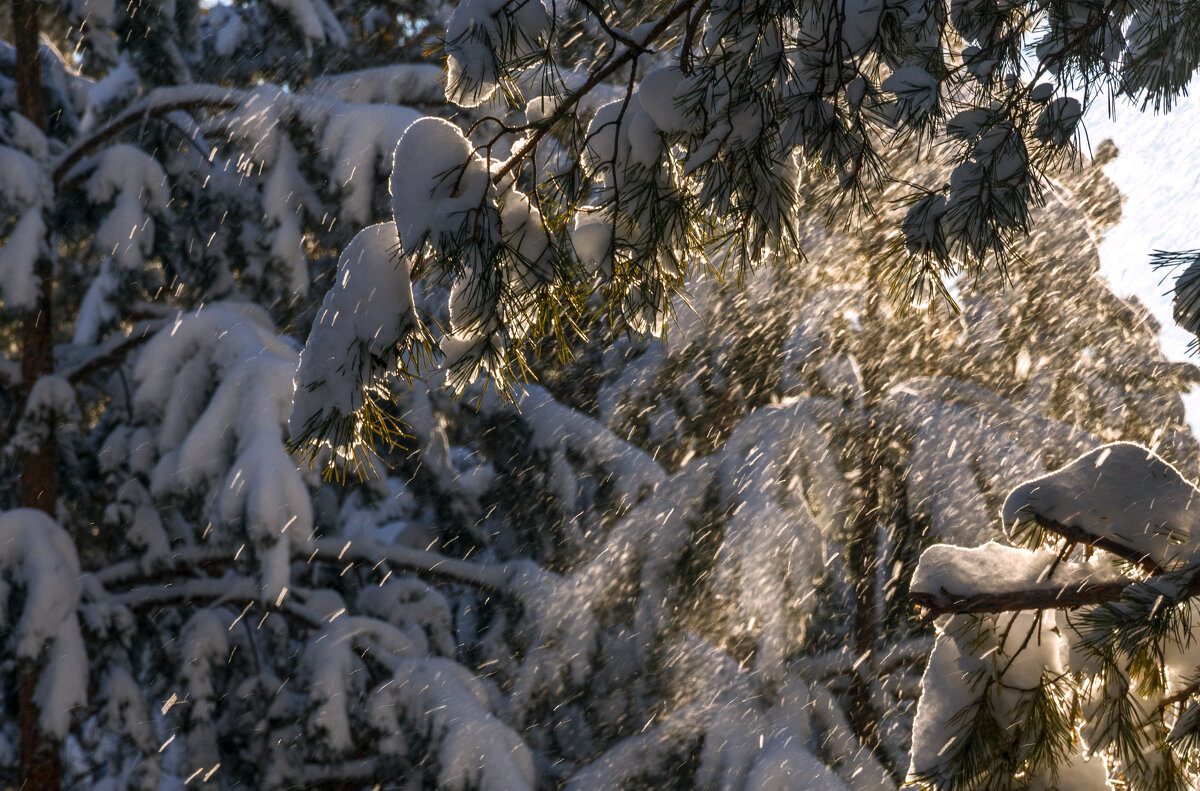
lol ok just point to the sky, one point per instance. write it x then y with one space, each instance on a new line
1157 173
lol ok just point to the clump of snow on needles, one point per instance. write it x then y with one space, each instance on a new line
39 556
993 568
364 319
1123 492
483 34
25 191
229 440
437 181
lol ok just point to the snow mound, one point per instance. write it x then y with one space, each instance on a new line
1121 492
24 191
227 437
366 322
39 556
436 182
484 34
136 186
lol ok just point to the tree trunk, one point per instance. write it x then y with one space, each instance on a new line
40 763
39 484
29 61
863 549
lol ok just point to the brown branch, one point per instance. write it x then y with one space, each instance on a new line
689 36
1179 697
1066 598
613 33
1080 536
1063 598
109 353
492 579
112 352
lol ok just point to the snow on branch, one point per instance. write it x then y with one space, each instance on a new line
1187 287
445 703
491 578
134 185
1120 497
424 563
158 103
366 333
228 440
569 102
398 83
25 194
39 556
996 578
1010 695
552 425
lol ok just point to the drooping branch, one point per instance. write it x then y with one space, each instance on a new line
493 579
425 564
160 101
112 351
346 774
188 591
182 561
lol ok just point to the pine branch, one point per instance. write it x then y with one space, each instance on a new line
345 774
425 564
1066 598
489 578
1179 697
628 55
184 560
160 101
1078 535
112 352
189 592
615 33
